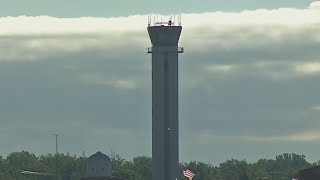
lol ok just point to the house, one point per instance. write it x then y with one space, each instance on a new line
98 167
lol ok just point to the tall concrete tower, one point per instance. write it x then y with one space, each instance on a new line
165 140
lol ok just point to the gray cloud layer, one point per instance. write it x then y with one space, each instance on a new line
248 80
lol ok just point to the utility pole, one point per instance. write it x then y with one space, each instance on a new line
57 162
83 164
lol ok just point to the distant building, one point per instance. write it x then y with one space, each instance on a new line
310 173
98 167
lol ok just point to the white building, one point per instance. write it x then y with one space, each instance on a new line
98 166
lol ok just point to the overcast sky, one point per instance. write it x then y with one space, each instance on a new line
114 8
249 78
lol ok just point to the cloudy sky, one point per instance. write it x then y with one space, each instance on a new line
249 77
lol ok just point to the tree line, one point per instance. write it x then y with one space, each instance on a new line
70 167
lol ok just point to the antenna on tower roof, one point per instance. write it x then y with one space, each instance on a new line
170 21
155 20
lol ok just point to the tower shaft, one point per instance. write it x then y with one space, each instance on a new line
165 126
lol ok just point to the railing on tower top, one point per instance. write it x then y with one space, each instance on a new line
154 21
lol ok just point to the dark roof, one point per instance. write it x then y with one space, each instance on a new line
99 155
312 169
312 173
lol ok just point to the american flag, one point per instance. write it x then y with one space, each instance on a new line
187 173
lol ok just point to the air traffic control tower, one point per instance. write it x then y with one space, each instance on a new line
165 135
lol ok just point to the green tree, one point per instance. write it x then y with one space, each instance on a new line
142 165
283 167
233 170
